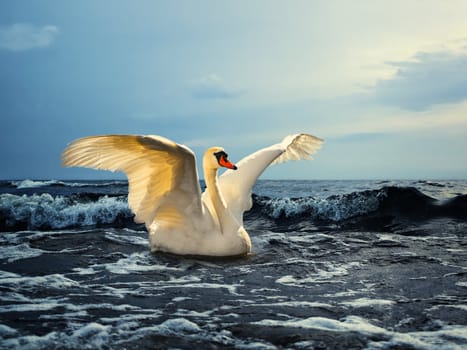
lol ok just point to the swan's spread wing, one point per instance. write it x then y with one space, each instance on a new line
162 176
298 147
236 185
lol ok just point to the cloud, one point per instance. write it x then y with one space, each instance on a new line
25 36
429 79
213 87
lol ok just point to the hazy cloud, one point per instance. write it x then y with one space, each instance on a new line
25 36
213 87
429 79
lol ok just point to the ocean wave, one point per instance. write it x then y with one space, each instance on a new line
47 212
44 211
389 200
27 183
334 208
34 183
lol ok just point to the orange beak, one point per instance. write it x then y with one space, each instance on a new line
223 161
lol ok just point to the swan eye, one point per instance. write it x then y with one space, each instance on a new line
220 155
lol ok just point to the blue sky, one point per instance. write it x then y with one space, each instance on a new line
384 83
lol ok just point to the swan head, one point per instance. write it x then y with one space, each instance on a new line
215 157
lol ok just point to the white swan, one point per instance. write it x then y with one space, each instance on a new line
165 194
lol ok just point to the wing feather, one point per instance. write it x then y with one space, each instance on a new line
162 174
236 185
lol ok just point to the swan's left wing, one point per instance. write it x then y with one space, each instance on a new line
162 175
236 185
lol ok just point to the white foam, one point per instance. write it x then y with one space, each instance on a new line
447 338
366 302
180 299
262 290
328 275
335 208
64 315
116 307
171 327
93 332
32 341
13 297
132 239
297 304
462 307
256 346
306 344
137 263
56 281
454 306
60 212
84 270
347 293
30 307
349 324
34 183
27 183
231 288
197 314
131 320
21 251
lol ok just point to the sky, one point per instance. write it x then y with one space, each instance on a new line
384 83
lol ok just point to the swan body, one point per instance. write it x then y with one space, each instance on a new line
165 194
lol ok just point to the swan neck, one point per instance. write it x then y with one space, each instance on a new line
215 194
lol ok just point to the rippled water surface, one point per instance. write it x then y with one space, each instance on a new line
336 265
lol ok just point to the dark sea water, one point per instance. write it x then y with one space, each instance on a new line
336 265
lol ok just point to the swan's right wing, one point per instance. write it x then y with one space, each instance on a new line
236 185
162 175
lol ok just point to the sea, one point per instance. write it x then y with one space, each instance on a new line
335 265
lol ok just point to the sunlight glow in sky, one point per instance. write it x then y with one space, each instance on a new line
384 83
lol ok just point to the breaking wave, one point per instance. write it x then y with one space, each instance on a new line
390 200
25 184
44 211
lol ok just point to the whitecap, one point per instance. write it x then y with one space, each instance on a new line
366 302
256 346
197 314
176 325
180 299
33 183
348 324
137 263
31 307
12 253
84 270
327 275
132 239
32 341
296 304
44 210
169 327
335 208
56 281
95 331
28 183
446 338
